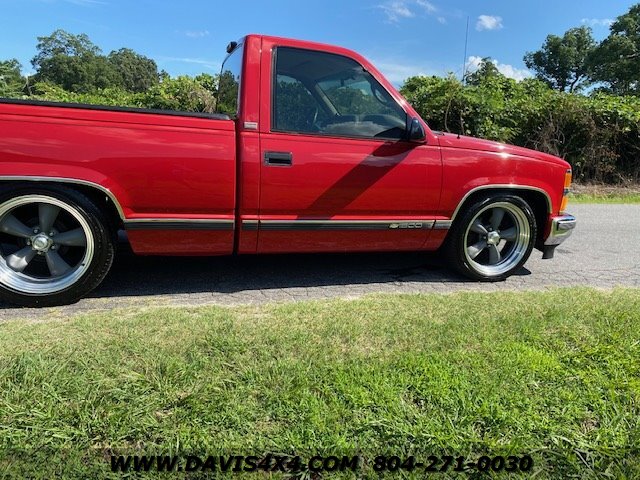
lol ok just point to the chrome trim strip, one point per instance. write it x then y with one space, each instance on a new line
251 125
106 191
178 224
561 228
442 225
424 224
250 224
502 186
174 219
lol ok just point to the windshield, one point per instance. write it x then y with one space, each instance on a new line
356 95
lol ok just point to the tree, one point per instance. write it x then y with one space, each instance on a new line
11 80
74 63
616 61
486 69
10 72
138 73
64 43
563 62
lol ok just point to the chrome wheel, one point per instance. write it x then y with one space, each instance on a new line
46 245
497 239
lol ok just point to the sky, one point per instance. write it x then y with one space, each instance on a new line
401 37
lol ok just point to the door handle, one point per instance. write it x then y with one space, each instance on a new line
278 159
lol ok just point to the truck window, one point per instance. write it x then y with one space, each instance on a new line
327 94
229 83
297 109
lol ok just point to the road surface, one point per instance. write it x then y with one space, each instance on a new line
604 252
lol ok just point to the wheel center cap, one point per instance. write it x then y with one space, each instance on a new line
41 243
493 238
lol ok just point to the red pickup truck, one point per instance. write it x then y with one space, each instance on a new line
320 154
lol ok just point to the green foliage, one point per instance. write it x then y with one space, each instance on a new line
616 61
77 65
138 73
352 99
11 81
79 74
182 94
228 93
563 62
62 43
73 62
114 96
486 70
598 135
294 107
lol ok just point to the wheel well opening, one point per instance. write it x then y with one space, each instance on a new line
536 200
97 196
103 202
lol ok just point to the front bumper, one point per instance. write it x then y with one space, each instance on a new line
562 227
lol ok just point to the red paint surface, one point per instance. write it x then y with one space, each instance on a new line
175 167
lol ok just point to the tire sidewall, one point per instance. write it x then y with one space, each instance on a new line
457 240
100 262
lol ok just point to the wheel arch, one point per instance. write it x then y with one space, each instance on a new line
537 198
101 196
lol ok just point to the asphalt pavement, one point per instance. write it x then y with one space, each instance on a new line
603 252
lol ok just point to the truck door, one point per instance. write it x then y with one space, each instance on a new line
337 171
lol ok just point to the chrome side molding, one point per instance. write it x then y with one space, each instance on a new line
400 224
179 224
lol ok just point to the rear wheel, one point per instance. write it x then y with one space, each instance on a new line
493 239
55 246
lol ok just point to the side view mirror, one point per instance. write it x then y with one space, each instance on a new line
416 131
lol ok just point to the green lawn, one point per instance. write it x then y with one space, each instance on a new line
604 194
552 374
604 198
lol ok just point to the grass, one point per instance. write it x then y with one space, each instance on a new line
605 198
553 374
605 194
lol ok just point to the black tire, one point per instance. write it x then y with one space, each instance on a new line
67 212
467 238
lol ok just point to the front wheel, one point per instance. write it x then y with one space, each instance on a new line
493 239
55 246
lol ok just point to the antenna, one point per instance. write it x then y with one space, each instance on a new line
464 63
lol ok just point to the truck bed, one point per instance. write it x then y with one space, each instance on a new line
166 171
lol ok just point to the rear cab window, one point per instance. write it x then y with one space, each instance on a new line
230 81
